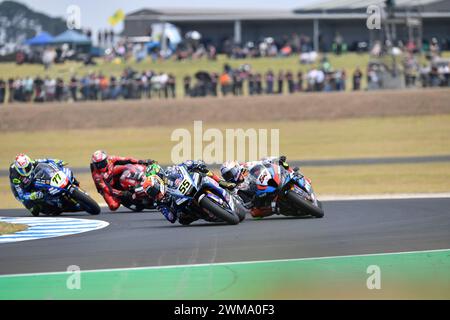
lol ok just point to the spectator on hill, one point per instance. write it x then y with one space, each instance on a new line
114 88
225 83
73 88
171 85
28 87
11 90
258 83
269 82
357 76
48 57
214 83
290 82
320 80
50 88
251 84
187 85
2 91
104 87
59 90
280 80
39 92
300 81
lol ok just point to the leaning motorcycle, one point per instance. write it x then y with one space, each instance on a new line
201 196
284 192
62 192
131 180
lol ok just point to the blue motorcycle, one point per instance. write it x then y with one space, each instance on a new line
62 192
200 196
278 190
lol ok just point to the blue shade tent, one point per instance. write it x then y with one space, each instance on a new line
72 37
42 39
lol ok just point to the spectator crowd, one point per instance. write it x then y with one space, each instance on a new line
230 82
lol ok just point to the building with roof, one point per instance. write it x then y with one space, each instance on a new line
322 21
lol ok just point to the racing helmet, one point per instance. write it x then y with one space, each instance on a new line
24 165
100 160
154 187
231 171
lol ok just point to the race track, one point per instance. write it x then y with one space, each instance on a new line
146 239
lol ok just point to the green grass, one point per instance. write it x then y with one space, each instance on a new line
10 228
380 179
346 138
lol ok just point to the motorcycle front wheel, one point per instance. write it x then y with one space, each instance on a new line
219 212
304 206
86 202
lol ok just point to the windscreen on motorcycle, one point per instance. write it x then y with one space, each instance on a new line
45 171
179 181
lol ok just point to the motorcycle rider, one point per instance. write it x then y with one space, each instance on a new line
21 177
106 171
165 203
237 173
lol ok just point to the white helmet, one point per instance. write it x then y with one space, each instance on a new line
231 171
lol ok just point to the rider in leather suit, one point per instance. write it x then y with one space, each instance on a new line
21 177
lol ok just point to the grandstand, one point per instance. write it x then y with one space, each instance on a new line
320 20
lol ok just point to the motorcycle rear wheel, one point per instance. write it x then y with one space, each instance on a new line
86 202
224 215
305 206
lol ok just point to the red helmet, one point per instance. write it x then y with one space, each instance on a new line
100 160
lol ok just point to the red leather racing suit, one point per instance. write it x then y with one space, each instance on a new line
107 180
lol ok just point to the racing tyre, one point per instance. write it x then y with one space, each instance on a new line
241 211
224 215
305 206
86 202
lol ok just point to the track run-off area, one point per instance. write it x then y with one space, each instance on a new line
142 256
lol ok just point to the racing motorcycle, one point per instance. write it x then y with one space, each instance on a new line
131 180
62 192
201 196
284 192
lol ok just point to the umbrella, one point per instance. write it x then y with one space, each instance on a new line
203 75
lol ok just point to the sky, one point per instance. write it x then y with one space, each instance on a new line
95 13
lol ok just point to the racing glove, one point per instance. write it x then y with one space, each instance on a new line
283 163
59 162
227 185
201 167
36 196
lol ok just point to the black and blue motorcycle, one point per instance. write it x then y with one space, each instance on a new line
201 196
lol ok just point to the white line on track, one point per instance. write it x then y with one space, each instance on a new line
393 196
228 263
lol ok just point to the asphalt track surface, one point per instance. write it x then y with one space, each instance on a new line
146 239
326 162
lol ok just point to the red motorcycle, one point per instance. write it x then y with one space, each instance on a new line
132 180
